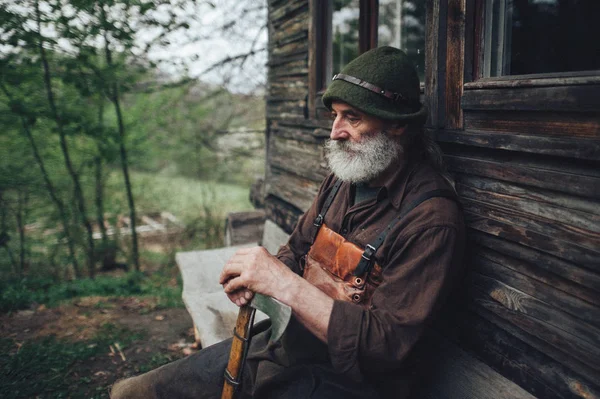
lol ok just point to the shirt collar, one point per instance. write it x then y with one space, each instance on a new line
394 181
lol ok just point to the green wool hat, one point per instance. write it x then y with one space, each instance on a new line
381 82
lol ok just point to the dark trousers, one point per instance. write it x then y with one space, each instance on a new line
200 376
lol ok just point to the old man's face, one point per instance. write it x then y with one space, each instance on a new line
361 146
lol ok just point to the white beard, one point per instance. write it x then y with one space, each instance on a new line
360 162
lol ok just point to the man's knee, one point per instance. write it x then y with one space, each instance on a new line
138 387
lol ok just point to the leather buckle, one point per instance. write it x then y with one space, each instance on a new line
318 221
368 253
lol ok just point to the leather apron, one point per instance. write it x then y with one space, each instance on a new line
343 270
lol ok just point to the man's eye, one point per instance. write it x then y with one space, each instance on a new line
352 119
332 116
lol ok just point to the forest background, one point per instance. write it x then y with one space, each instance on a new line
113 113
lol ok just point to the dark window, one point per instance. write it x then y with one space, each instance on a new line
402 25
524 37
347 28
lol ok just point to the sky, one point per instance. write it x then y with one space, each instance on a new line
206 43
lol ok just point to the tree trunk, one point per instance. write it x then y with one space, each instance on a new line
50 187
20 215
99 183
65 150
114 97
4 237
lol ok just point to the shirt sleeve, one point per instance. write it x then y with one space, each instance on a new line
301 238
378 338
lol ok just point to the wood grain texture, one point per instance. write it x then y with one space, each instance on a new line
455 58
432 27
521 269
544 266
530 337
532 239
585 98
293 189
535 123
586 241
570 183
284 214
574 147
300 158
236 356
448 372
533 370
486 263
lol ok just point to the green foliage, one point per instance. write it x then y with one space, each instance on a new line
21 294
46 366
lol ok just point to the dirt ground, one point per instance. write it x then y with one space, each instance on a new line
167 335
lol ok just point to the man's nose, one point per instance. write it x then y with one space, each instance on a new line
338 130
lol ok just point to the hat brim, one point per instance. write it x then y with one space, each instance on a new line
372 103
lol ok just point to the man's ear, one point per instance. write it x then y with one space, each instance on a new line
397 129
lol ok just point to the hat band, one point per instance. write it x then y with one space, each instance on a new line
375 89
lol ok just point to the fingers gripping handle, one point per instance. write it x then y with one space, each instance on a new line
239 349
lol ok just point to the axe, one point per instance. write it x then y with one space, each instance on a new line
278 312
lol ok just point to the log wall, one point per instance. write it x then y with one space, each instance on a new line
525 155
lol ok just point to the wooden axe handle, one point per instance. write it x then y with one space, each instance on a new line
239 347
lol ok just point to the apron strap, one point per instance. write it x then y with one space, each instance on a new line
318 222
366 260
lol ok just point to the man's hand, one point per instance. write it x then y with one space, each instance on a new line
255 270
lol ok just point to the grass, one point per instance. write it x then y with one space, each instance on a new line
49 366
20 294
184 197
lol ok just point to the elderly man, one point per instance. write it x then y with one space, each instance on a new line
365 268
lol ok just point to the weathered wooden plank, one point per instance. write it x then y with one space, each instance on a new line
455 58
577 246
553 222
298 133
285 110
432 26
519 267
491 264
585 98
568 328
289 28
561 341
577 222
535 123
300 158
284 214
274 61
530 238
307 123
530 337
544 266
574 147
288 10
576 184
293 189
296 68
290 49
287 39
447 372
540 80
518 361
587 209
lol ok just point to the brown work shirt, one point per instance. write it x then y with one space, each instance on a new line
420 257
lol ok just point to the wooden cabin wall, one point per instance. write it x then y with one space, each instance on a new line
295 165
525 155
525 158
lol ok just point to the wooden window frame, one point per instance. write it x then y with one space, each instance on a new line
466 90
320 42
